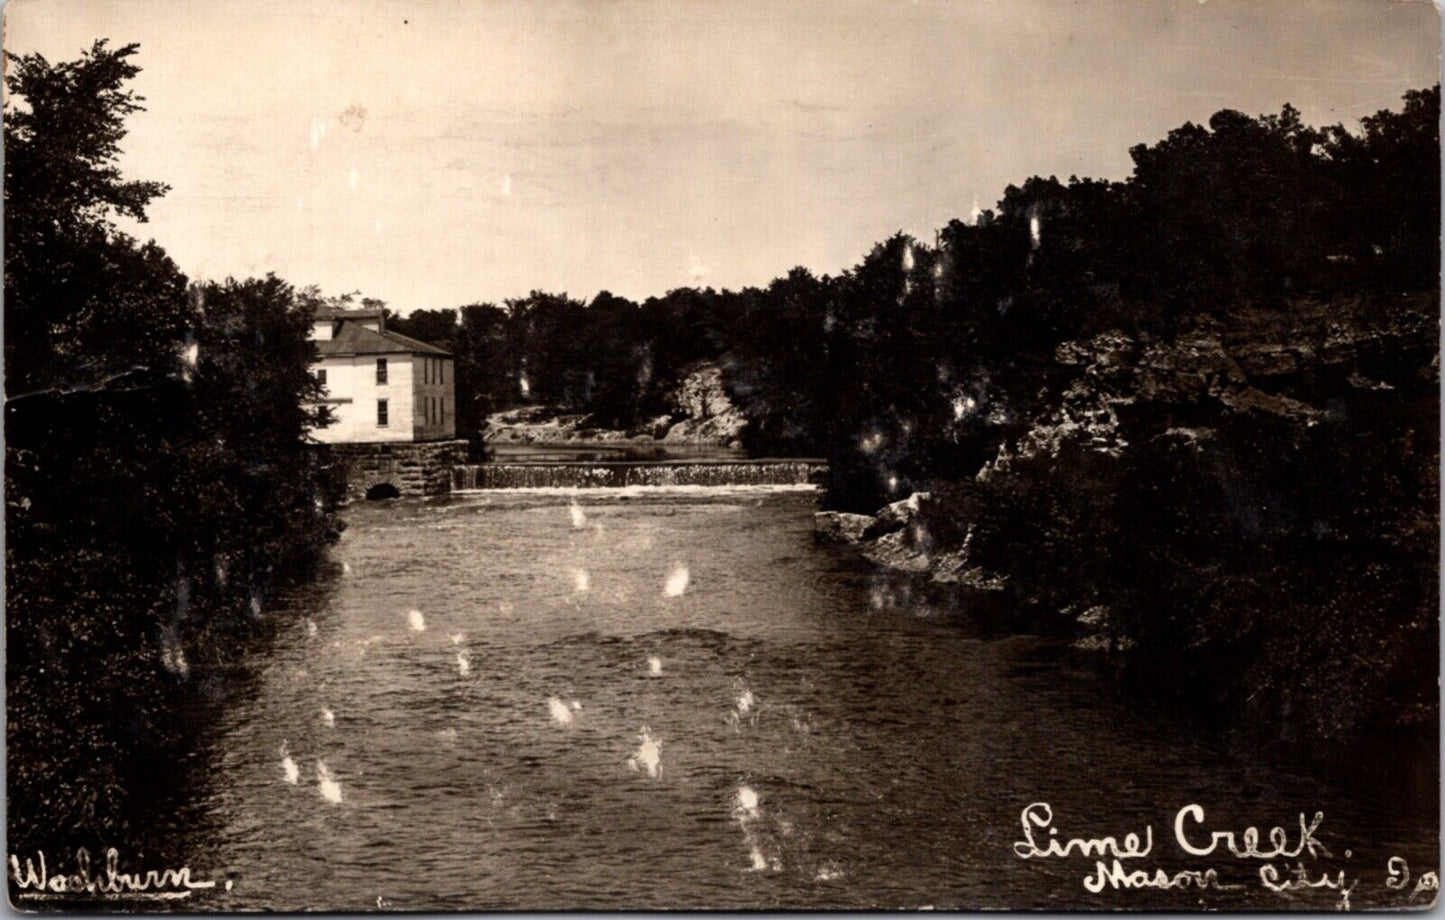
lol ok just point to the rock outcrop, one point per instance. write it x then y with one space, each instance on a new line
1189 505
896 538
707 415
893 518
535 425
839 526
702 415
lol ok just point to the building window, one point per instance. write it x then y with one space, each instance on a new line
381 413
442 415
321 376
380 371
441 372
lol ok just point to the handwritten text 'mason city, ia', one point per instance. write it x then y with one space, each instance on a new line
1042 840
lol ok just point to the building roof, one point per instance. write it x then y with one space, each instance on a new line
341 313
354 339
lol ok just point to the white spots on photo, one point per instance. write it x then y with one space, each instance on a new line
326 783
677 581
648 756
697 269
289 771
963 407
561 713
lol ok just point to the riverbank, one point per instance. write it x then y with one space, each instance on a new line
1238 517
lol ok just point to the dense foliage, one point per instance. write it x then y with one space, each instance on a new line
158 483
893 368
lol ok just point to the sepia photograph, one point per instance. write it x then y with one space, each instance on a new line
766 455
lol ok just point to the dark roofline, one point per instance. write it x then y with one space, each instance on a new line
353 339
423 347
343 314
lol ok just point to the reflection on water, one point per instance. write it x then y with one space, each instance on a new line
723 718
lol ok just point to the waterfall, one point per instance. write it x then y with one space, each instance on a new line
617 475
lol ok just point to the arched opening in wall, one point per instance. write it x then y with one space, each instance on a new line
382 490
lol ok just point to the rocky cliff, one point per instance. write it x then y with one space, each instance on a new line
701 414
1240 515
705 413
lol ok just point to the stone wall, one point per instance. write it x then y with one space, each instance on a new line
421 468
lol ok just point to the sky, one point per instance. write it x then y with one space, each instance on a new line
434 153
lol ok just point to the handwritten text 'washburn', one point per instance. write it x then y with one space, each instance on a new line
37 880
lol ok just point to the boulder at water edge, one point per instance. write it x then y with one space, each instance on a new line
839 526
896 516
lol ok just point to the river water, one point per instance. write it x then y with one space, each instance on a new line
673 698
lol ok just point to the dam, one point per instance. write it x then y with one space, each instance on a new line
618 474
375 471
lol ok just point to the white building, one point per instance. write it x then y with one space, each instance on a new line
381 386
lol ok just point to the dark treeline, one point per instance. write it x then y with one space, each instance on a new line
619 360
612 358
1241 213
158 486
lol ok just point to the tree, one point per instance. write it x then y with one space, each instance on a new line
435 327
83 302
158 483
777 368
1384 191
1225 213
